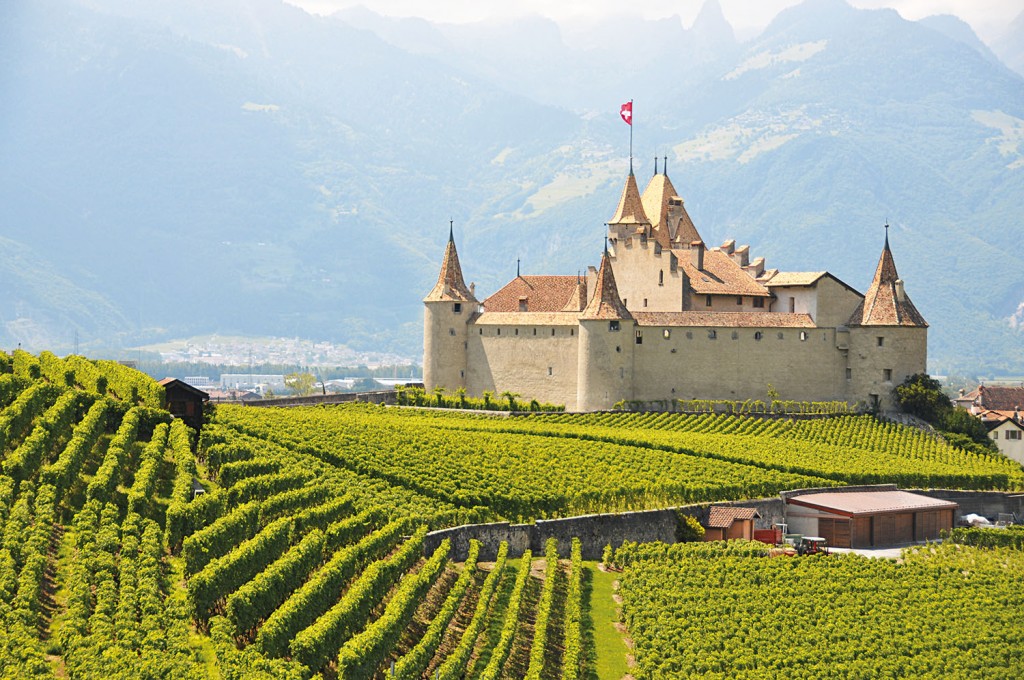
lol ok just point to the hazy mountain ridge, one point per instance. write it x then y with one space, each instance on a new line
194 163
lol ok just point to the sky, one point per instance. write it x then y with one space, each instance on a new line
988 18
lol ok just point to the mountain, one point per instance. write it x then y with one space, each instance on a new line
246 168
1010 45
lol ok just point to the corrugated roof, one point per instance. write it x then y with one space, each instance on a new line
606 303
450 285
869 502
542 294
722 518
765 320
527 319
881 305
720 276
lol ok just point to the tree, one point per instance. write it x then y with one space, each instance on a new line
511 396
922 396
302 384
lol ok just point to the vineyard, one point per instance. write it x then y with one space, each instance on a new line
728 611
306 552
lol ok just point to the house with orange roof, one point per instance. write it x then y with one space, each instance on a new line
664 317
1001 409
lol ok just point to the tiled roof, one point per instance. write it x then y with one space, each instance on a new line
450 285
795 278
722 518
541 293
720 276
869 502
631 209
527 319
1000 398
655 199
578 300
606 303
881 305
724 319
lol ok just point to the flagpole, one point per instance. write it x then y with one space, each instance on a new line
631 136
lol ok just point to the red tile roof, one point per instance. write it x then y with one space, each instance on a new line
450 285
541 293
527 319
725 319
1000 398
606 303
722 518
631 209
720 276
881 305
853 503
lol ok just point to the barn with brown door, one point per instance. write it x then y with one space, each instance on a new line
185 401
726 523
866 519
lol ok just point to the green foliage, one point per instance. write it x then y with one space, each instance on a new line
542 623
688 529
683 605
922 396
217 539
301 384
572 657
416 659
111 469
416 396
1007 537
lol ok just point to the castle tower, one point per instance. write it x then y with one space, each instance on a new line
630 218
888 337
448 308
607 329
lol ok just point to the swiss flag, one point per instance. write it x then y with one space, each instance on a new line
627 112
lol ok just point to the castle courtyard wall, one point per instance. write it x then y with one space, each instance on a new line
536 361
734 365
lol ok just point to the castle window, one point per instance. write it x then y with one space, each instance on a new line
707 300
803 336
639 338
458 307
535 331
517 331
552 332
645 302
849 374
881 341
451 331
712 334
618 348
887 374
781 335
465 345
613 326
735 335
689 335
462 374
572 331
661 277
739 299
622 373
758 335
523 304
481 331
759 303
666 334
499 331
792 304
549 370
625 302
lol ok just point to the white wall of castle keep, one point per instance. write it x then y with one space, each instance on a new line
903 351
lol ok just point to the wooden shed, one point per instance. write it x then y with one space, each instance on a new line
866 519
726 523
185 401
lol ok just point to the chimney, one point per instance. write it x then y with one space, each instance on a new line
697 254
901 294
472 288
729 246
741 256
961 391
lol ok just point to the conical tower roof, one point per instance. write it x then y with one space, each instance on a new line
631 208
655 199
450 286
882 305
578 301
606 303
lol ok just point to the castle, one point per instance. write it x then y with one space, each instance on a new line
665 317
